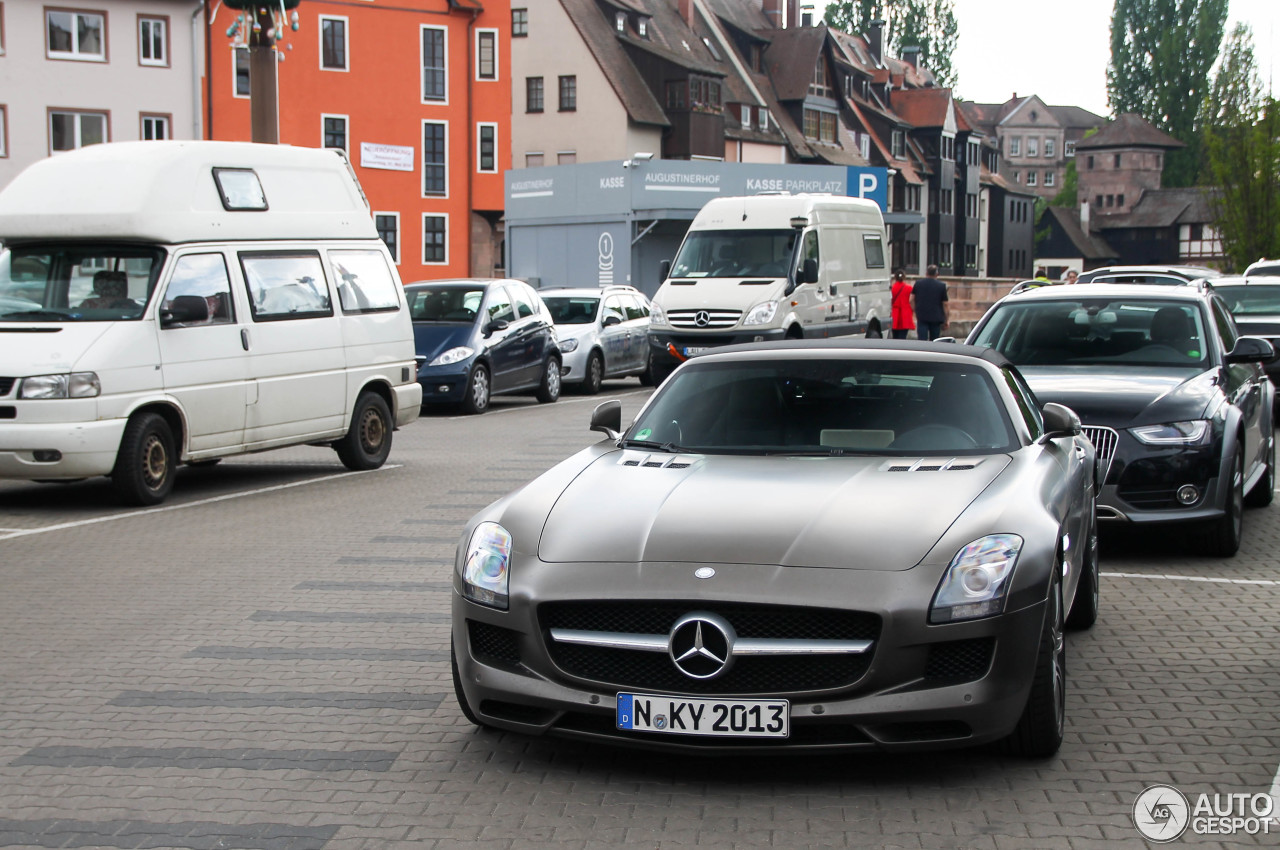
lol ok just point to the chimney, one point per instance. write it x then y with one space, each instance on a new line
806 15
875 40
793 14
911 55
686 11
773 11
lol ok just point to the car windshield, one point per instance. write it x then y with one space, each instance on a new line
77 283
735 253
827 407
572 309
1098 331
1251 300
444 303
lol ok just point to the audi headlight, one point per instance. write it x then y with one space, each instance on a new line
657 316
74 385
487 567
1187 433
453 355
761 314
977 582
568 346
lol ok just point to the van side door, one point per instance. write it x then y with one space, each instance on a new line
805 298
203 363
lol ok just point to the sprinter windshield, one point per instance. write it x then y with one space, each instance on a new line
76 283
735 253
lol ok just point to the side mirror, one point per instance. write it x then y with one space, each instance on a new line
183 309
664 271
1252 349
607 418
1059 421
809 271
495 325
611 320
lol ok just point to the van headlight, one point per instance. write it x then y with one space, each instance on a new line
73 385
657 316
453 355
487 566
761 314
976 583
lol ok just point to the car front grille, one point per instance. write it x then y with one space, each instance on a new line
959 660
756 674
710 319
493 645
1104 444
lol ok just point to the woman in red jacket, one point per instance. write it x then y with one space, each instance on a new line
902 315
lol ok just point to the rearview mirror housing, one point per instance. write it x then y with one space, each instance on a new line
607 418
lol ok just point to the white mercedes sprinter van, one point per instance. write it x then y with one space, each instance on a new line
769 267
181 302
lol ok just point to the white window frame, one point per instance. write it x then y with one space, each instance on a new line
165 120
422 67
163 22
395 255
1033 146
496 41
1015 146
1031 178
74 54
422 239
79 114
763 118
346 122
422 159
746 116
346 43
1050 178
1050 145
480 125
235 54
1069 149
4 131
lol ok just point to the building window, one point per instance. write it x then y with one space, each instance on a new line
1015 146
487 144
388 225
76 35
944 253
1031 178
1017 177
435 230
1069 149
745 114
568 93
898 144
820 126
971 205
533 94
947 202
821 83
947 147
533 159
333 43
913 198
971 256
973 158
155 127
676 91
334 130
1120 200
1111 200
434 83
1033 146
240 71
1117 161
519 23
764 119
1050 178
153 42
1049 147
620 21
642 26
434 152
486 54
69 129
566 157
1097 202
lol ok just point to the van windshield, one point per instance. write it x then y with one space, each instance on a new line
735 253
77 283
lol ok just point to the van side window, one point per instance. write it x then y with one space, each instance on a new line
204 276
873 248
500 305
524 303
365 284
286 286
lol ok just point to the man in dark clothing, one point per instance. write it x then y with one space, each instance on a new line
929 301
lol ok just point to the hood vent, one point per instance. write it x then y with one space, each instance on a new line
931 464
659 461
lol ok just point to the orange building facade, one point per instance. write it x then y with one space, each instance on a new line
417 94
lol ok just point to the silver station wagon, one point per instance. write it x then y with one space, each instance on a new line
813 545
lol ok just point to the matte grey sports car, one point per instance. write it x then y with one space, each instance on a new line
814 545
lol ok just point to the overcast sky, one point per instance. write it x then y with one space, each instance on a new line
1060 51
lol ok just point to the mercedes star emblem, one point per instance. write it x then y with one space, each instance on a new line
702 318
701 645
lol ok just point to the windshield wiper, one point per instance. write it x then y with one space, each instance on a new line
831 452
653 444
35 314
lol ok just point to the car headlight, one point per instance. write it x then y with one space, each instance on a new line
453 355
977 582
74 385
1187 433
761 314
486 570
657 316
568 346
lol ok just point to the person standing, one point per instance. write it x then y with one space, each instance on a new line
900 314
929 302
1072 276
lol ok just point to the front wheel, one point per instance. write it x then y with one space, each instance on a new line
1264 492
368 440
145 464
594 376
549 390
1084 608
1040 728
1221 537
476 399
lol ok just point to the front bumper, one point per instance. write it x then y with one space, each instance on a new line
1142 483
444 384
919 687
573 366
86 446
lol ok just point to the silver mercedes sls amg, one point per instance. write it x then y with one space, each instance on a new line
805 546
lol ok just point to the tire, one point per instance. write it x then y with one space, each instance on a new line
549 390
458 692
1040 728
646 376
873 330
368 440
1084 608
146 463
594 375
478 391
1264 492
794 332
1221 537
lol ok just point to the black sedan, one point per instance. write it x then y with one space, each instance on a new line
1254 303
1175 400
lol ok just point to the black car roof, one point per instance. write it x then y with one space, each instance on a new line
977 352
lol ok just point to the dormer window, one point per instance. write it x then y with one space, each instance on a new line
821 85
764 119
746 115
642 26
715 54
866 90
620 22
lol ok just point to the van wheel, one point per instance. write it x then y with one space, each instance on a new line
549 390
477 398
145 464
794 332
873 330
368 440
595 374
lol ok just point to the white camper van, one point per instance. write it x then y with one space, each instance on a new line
180 302
770 267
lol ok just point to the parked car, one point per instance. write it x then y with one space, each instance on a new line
1264 266
603 333
818 545
1255 305
1167 275
1175 400
477 338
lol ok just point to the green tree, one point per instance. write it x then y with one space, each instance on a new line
930 25
1242 144
1161 54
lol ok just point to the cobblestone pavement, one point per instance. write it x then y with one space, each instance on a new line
263 663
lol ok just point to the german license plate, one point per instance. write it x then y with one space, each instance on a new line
674 715
690 350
